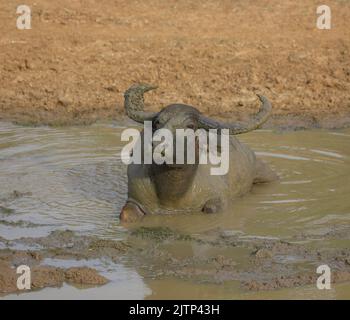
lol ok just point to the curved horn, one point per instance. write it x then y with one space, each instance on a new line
134 102
238 127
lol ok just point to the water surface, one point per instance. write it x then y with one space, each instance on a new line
73 178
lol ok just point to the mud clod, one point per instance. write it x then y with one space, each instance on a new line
263 254
84 276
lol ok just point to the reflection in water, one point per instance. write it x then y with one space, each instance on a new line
73 178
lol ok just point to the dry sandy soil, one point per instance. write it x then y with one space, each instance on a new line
80 56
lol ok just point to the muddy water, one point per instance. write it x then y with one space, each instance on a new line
73 178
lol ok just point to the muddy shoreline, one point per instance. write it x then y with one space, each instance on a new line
279 123
263 268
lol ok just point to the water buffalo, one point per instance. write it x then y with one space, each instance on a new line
165 188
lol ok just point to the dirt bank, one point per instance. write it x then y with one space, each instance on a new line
79 57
